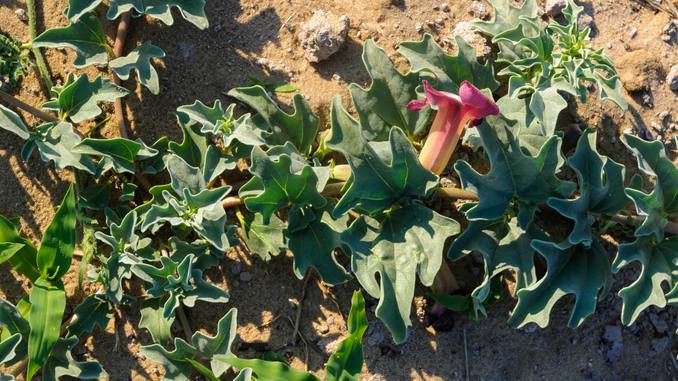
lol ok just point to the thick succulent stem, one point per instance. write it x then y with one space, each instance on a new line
118 49
39 59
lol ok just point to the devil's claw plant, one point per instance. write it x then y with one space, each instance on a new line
354 202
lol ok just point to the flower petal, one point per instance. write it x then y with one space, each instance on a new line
436 97
476 104
417 104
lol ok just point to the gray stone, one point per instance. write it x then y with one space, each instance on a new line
245 276
322 35
479 10
672 78
21 14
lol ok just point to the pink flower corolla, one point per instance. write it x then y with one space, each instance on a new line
454 113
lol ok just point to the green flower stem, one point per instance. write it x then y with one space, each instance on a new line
456 194
39 59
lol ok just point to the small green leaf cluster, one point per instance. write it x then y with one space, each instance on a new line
14 61
542 61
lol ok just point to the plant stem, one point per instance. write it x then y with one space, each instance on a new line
445 282
39 59
671 227
15 102
118 48
456 194
183 320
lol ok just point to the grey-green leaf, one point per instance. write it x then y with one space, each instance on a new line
570 269
513 175
601 189
398 246
85 36
77 99
384 104
380 177
450 71
659 266
139 60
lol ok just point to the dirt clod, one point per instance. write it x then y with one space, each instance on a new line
323 35
554 8
672 78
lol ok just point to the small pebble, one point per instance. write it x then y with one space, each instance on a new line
245 276
633 33
21 14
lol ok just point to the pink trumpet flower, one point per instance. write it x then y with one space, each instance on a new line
454 113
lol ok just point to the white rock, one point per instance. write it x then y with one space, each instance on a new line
323 35
479 10
554 8
21 14
672 78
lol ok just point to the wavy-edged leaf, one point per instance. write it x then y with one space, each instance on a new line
220 344
504 245
513 176
117 153
601 189
276 185
176 364
223 123
56 143
659 266
48 303
61 363
313 243
300 127
93 311
398 246
663 201
139 60
85 36
346 362
77 99
192 11
384 104
153 320
506 16
570 269
264 240
450 71
380 177
78 8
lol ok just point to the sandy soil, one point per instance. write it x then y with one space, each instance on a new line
248 37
